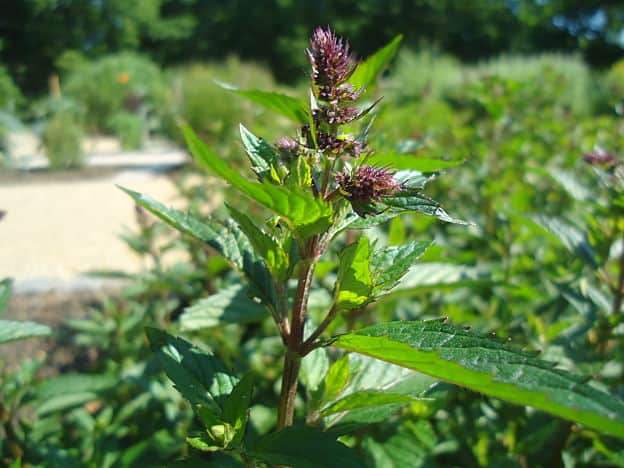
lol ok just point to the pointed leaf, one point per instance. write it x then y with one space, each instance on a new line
354 282
488 366
11 330
261 154
268 248
388 265
410 162
290 107
367 72
421 204
429 276
228 240
366 399
231 304
303 210
303 447
198 375
236 407
571 237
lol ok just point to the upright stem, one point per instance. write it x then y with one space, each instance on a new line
617 297
292 359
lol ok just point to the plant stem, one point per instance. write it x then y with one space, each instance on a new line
309 344
292 359
286 408
617 297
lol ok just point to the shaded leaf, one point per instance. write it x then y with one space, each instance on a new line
569 236
198 375
227 239
268 248
261 154
488 366
231 304
236 407
303 447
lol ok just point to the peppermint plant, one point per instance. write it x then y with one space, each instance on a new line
320 189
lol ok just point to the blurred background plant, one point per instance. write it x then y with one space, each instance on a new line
540 267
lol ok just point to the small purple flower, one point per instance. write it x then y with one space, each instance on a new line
336 147
332 65
367 183
287 147
336 115
601 158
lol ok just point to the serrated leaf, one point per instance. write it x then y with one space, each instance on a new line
307 213
303 447
261 154
488 366
266 246
410 162
300 175
6 288
367 72
390 264
421 204
198 375
290 107
231 304
236 408
12 330
354 282
227 239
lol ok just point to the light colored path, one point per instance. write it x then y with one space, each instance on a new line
54 231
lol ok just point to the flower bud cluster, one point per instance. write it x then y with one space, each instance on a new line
367 183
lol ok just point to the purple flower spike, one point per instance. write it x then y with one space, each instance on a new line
331 65
367 183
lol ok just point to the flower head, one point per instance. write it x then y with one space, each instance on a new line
287 147
367 183
601 158
331 65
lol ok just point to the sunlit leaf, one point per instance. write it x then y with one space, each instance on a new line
490 367
367 72
12 330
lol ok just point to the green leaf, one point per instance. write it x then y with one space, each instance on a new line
290 107
236 408
303 447
366 399
261 154
227 239
6 288
231 304
354 283
411 441
571 237
361 402
367 72
198 375
421 204
307 213
268 248
300 175
488 366
410 162
390 264
337 378
314 366
11 330
428 276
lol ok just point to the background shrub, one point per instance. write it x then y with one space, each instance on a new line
62 139
115 83
129 128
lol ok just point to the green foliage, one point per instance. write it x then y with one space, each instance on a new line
10 95
129 128
62 139
117 83
488 367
